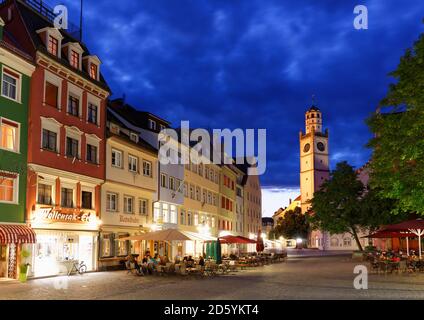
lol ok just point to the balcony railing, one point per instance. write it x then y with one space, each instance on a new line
48 12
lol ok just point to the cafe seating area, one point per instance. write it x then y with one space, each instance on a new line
196 268
391 262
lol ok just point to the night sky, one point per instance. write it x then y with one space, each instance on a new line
254 64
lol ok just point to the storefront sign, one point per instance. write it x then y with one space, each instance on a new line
127 219
60 215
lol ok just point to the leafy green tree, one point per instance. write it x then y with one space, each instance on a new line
397 166
336 205
293 225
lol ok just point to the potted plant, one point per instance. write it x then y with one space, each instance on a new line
24 266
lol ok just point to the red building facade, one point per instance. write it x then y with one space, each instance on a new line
66 141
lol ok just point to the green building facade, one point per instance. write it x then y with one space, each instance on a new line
15 74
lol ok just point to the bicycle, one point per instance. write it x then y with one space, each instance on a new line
79 267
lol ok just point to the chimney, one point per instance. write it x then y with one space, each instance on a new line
290 201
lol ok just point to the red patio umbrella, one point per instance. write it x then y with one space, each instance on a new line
260 242
415 226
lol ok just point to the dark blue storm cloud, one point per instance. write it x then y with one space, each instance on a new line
254 64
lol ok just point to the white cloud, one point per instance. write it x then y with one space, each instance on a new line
274 198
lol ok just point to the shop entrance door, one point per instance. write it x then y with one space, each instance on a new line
3 261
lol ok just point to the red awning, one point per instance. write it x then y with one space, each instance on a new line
407 225
235 239
390 234
15 233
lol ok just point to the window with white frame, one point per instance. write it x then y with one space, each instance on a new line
74 59
11 85
182 217
147 168
74 100
111 201
50 140
92 113
9 135
73 142
178 185
45 193
165 213
186 189
134 137
198 194
86 199
163 180
72 147
116 158
152 124
189 219
114 128
9 187
92 152
173 214
132 164
67 197
53 45
172 183
128 204
143 207
93 148
73 105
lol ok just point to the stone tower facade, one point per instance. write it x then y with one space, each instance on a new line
314 159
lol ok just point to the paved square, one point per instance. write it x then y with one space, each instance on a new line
328 277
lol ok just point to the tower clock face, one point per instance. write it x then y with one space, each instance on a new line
306 147
321 146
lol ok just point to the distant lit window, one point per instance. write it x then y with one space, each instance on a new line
9 135
74 59
93 71
8 187
53 46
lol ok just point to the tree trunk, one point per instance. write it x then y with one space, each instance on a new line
355 235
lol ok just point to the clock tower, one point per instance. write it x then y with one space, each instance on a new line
314 162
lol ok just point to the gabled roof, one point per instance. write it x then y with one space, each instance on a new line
34 21
132 115
141 143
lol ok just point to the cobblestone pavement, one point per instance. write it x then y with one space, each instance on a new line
328 277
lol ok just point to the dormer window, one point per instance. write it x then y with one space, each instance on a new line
93 71
74 59
52 39
152 124
91 66
114 128
134 137
53 45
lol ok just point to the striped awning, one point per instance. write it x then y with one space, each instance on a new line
15 233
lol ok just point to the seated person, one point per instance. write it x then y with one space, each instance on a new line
190 261
201 261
